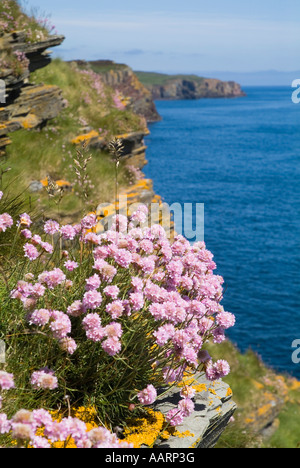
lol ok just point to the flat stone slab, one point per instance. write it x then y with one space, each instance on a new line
213 409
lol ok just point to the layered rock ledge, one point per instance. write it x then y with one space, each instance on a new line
27 105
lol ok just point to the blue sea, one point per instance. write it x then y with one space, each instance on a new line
240 158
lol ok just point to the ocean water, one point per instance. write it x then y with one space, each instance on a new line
240 157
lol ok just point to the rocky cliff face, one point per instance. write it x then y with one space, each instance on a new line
124 80
26 105
188 88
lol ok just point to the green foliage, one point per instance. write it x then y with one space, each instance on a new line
151 78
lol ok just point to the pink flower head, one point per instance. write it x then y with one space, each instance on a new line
89 221
70 265
107 271
148 395
68 344
44 379
175 417
6 380
93 282
136 301
186 406
5 424
92 238
123 257
76 309
47 247
68 232
92 299
225 319
112 291
40 317
25 220
31 252
111 346
218 370
52 278
120 223
51 227
115 309
26 233
113 330
60 324
6 221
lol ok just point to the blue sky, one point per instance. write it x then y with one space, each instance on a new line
192 36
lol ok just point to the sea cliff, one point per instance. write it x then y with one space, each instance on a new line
163 86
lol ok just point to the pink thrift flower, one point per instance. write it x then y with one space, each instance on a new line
44 379
112 291
26 233
51 227
174 417
186 406
5 424
40 317
70 265
47 247
89 221
6 222
111 346
91 321
60 324
115 309
92 299
6 380
31 252
94 282
113 330
123 257
25 220
68 232
225 320
68 344
147 396
188 392
92 238
136 301
76 309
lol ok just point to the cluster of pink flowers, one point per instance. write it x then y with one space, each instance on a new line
135 271
24 425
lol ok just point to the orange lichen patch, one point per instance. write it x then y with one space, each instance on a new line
59 183
257 385
62 183
85 138
264 409
212 391
249 420
229 392
2 126
144 430
31 121
148 429
295 385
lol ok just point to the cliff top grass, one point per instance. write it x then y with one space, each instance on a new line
13 17
263 398
152 78
90 106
